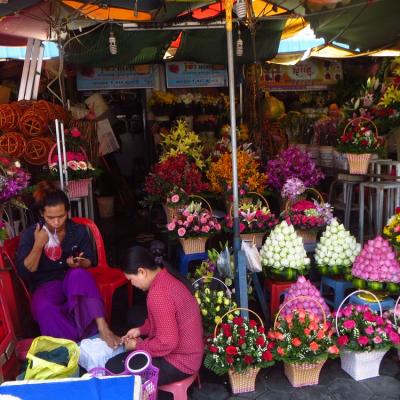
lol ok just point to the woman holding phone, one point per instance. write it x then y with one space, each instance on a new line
53 257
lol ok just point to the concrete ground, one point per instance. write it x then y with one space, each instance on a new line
271 384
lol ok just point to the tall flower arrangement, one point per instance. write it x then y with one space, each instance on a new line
293 163
181 140
13 179
220 173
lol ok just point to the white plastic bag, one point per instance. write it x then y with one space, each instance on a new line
252 256
95 353
52 249
224 264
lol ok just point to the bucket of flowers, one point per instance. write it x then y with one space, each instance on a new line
308 216
162 104
393 318
193 224
80 170
303 342
213 303
13 180
255 219
240 348
364 337
359 141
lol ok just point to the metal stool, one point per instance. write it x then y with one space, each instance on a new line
339 289
391 202
349 183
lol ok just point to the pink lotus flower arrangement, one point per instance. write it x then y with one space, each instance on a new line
303 291
377 264
194 221
361 329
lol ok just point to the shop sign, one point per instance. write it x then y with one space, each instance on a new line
191 74
121 77
306 75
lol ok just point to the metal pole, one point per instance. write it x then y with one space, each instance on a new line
59 155
240 265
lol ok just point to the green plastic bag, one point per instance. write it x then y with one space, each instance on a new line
39 368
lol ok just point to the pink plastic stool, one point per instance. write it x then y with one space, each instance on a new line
179 389
22 348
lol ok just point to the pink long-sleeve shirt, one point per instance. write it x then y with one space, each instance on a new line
173 327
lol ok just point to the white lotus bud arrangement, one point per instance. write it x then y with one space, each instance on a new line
283 252
336 250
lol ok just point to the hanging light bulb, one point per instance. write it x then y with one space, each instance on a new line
240 9
113 44
239 45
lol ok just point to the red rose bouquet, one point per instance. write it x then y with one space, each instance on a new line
238 345
301 337
175 171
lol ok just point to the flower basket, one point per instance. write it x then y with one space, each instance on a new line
256 238
362 364
78 188
358 163
169 212
193 245
303 374
243 382
308 236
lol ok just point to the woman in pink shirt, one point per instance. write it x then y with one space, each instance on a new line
172 332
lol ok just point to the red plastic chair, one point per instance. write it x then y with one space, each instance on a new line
108 279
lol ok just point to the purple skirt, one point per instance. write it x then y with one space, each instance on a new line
68 309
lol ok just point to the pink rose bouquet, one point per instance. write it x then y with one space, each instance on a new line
361 329
193 221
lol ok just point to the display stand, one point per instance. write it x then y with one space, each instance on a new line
82 206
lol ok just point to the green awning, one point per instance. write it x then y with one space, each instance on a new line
368 25
209 46
133 47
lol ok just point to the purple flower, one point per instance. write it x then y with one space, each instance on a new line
293 163
292 188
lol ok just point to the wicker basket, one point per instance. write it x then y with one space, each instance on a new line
362 365
78 188
358 163
243 382
194 245
169 212
256 238
308 236
303 374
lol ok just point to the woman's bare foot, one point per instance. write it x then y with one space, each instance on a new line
106 334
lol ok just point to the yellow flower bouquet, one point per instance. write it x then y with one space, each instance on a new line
162 103
392 230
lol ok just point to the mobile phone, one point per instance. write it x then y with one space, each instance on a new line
75 251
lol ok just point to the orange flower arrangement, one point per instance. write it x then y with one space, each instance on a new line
220 173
